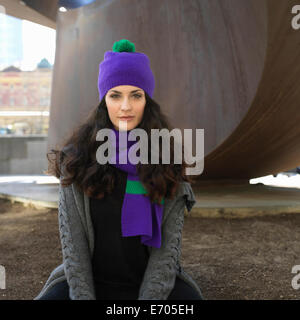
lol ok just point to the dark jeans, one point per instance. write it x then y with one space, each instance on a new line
181 291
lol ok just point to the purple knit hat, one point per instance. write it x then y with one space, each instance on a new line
124 66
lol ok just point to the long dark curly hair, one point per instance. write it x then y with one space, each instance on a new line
77 156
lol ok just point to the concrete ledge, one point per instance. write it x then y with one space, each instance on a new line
214 201
238 212
244 201
35 190
38 204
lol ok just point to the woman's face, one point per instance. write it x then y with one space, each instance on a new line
125 101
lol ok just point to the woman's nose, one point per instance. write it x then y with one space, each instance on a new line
125 104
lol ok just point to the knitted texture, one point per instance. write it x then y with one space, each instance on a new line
160 275
164 262
125 67
73 267
140 216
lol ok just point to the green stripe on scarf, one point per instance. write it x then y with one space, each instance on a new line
136 187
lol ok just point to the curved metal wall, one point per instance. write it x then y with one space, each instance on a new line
228 66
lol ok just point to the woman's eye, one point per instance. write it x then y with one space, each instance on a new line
137 96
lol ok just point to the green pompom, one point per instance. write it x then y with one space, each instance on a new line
123 45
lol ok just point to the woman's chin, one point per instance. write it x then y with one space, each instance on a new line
125 126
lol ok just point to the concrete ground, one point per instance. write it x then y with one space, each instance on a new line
238 242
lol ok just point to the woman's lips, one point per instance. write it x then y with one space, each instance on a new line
126 118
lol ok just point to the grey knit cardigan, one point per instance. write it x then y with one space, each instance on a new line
77 242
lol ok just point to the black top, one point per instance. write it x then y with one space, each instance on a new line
118 262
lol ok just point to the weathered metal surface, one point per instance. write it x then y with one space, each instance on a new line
230 67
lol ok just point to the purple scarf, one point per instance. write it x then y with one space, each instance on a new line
139 215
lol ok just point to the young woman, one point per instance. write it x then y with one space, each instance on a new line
120 224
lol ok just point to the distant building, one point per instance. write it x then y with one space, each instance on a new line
44 64
11 69
25 98
26 88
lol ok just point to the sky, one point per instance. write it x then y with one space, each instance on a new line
23 38
38 43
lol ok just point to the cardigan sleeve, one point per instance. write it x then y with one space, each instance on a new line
160 274
75 250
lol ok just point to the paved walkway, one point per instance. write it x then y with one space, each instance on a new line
236 201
